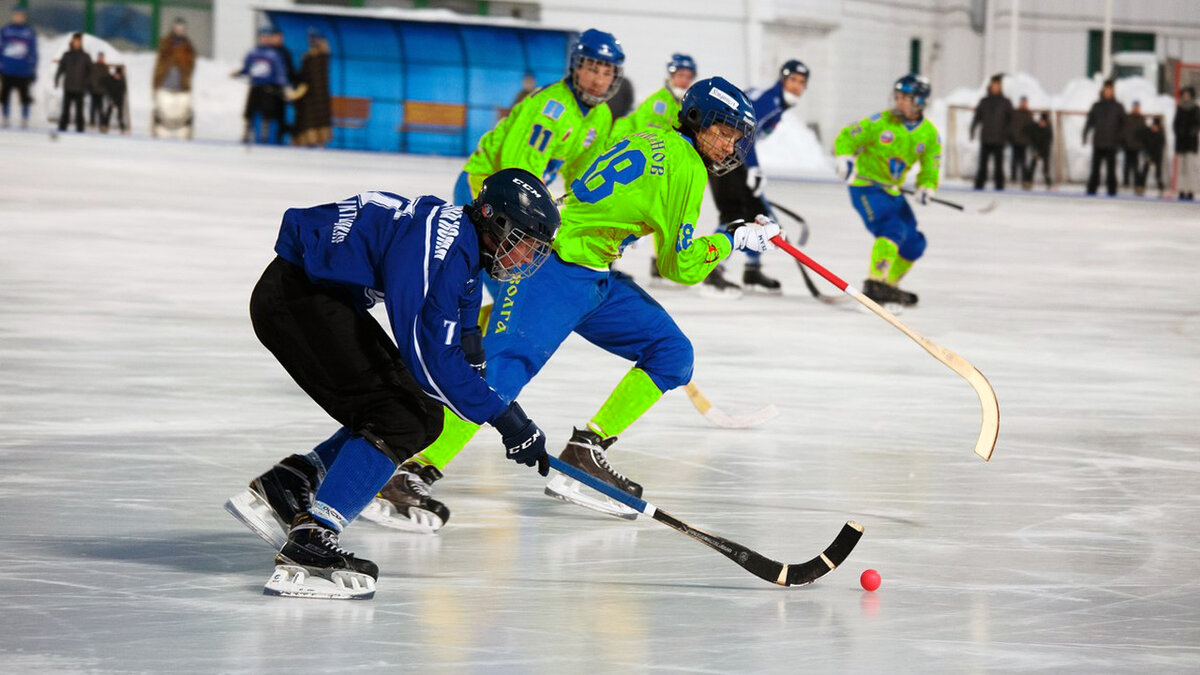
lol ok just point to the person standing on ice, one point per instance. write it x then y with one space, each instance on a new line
648 184
74 67
423 258
172 84
18 64
1106 124
873 157
993 118
739 194
1186 126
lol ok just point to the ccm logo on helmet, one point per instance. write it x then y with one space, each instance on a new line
527 186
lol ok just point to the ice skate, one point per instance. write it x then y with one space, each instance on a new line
274 499
312 565
587 451
715 285
753 279
886 294
405 502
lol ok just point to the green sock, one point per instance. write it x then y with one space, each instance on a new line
456 433
634 395
883 256
899 268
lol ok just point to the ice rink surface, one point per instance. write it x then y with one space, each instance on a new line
136 399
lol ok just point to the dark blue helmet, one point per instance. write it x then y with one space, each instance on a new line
716 101
600 47
516 219
681 62
916 86
793 67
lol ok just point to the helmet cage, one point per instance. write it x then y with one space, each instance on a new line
508 245
720 167
579 61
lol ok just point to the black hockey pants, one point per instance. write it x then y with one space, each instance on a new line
342 358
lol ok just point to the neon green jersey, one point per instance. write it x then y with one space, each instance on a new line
651 182
660 110
545 133
887 149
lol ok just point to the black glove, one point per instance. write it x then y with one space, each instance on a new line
472 346
524 442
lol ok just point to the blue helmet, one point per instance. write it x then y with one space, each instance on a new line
716 101
681 62
514 215
793 67
916 86
596 46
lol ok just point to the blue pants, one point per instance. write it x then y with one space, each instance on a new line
887 215
532 317
462 190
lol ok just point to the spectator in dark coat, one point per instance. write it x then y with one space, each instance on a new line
1187 143
1041 136
97 74
994 115
1022 120
1154 141
74 66
1106 123
1131 143
116 93
314 107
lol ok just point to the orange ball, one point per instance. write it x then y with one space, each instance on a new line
870 580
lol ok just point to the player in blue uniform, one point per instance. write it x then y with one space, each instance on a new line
268 83
18 63
739 193
423 258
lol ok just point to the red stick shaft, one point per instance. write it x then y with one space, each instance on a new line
813 265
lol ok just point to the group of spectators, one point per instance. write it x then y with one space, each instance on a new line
1112 129
275 83
95 82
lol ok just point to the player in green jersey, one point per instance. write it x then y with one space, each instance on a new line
660 109
559 128
874 156
648 184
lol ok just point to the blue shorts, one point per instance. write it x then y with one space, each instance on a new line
887 215
532 317
462 190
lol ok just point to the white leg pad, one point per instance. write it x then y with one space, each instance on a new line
293 581
382 512
255 513
571 490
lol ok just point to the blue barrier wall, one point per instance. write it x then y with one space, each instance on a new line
394 61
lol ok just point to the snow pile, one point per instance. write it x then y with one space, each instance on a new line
793 148
217 98
1077 96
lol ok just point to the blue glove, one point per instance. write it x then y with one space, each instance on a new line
524 442
472 346
843 165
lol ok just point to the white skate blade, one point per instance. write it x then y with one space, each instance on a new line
382 512
571 490
255 513
293 581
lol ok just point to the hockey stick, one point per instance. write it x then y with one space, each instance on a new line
753 562
721 418
986 208
808 282
990 428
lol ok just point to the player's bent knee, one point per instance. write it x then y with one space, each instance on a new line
913 247
671 363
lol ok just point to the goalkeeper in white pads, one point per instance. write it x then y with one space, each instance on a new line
423 257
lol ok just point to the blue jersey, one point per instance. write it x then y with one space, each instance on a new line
18 51
769 107
265 66
422 257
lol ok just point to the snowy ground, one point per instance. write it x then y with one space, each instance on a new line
136 399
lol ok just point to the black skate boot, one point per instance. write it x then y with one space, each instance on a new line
754 279
884 293
313 565
717 285
275 498
405 502
588 452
